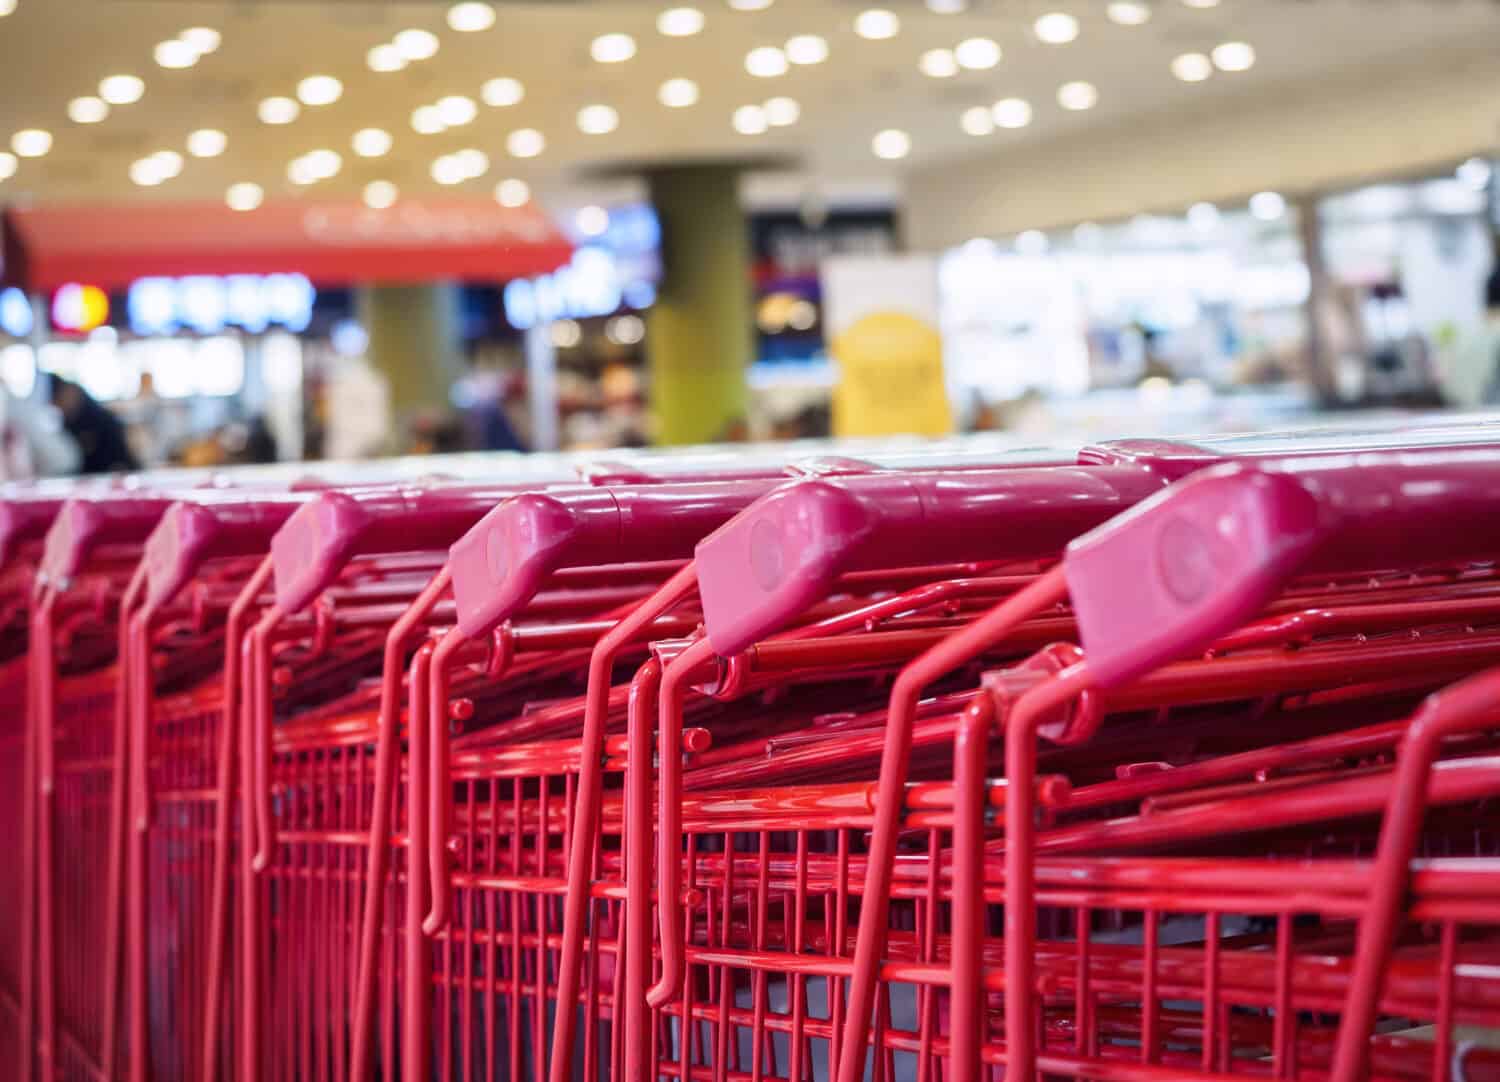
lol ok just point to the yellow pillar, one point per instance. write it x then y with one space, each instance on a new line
699 333
415 343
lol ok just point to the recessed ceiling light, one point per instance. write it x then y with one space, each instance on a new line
1128 12
750 5
680 22
678 93
946 7
146 172
782 112
598 119
877 24
977 54
476 162
1192 67
207 143
1204 217
371 142
938 63
1078 96
7 7
502 91
122 89
300 171
244 196
278 110
31 142
525 143
175 53
87 110
1011 113
416 44
319 90
448 170
323 162
592 221
1200 3
512 192
426 120
1474 173
1267 206
470 16
612 48
8 165
1234 56
457 110
169 162
766 62
380 194
1055 28
750 120
807 49
977 121
204 39
891 144
385 58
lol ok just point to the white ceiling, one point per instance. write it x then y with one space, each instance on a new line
54 50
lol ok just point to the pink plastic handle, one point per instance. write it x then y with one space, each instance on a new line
84 522
209 527
784 553
25 517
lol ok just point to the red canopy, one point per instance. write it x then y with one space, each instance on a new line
331 243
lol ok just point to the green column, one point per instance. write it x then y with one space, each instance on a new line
415 343
699 332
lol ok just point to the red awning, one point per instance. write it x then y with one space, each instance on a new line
331 243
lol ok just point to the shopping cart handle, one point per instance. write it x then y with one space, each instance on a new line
84 522
192 532
1166 458
25 517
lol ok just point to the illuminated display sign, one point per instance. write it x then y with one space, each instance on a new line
78 309
15 313
208 304
588 286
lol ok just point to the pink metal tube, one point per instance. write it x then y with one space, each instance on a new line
644 690
970 754
417 985
440 781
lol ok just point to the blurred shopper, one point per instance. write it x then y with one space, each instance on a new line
1474 377
98 432
32 442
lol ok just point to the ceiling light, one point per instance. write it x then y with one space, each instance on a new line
207 143
457 110
782 112
8 165
678 93
169 162
1011 113
1192 67
1032 242
203 39
7 7
426 120
1078 96
146 172
598 119
877 24
31 142
470 16
977 121
87 110
512 193
319 90
416 44
1475 173
1234 56
807 49
278 110
1200 3
946 7
891 144
449 170
1267 206
525 143
1204 217
379 194
612 48
1055 28
1128 12
938 63
122 89
323 162
750 120
301 171
385 58
977 54
766 62
502 91
175 53
750 5
592 221
680 22
371 142
476 162
244 196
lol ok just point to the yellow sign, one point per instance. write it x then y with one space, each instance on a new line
890 378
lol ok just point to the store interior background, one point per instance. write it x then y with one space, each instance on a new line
1137 218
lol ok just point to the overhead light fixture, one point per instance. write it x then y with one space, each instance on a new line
1234 56
750 5
203 39
678 93
380 194
977 121
7 7
278 110
782 112
323 162
476 162
598 119
512 192
1055 28
175 53
612 48
426 120
301 172
372 142
525 143
385 58
502 91
319 90
946 7
1011 113
977 54
122 89
1128 12
1204 217
877 24
938 64
1201 4
448 170
146 172
416 44
680 22
891 144
1192 67
766 62
87 110
1078 96
592 221
207 143
807 49
750 120
244 196
457 110
8 165
169 162
1267 206
31 142
471 16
